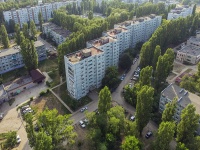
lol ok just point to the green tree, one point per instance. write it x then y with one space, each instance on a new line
130 128
30 129
111 79
4 37
25 30
188 125
17 34
90 15
157 53
181 146
29 54
144 107
145 76
33 29
169 112
194 9
10 140
125 61
104 100
40 21
43 142
130 143
169 57
165 135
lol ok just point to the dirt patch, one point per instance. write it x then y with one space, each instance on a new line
178 67
49 101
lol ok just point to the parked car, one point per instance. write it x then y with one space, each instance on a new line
83 109
25 107
149 134
18 139
134 78
82 124
85 121
132 118
1 116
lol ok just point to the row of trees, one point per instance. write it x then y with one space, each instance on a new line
4 37
170 32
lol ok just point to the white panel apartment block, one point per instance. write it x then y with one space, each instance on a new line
181 11
84 71
23 15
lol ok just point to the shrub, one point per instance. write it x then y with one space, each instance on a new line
42 93
48 90
31 99
48 84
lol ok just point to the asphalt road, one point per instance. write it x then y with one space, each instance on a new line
116 96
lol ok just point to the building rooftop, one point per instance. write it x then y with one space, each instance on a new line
59 30
195 40
190 50
136 20
16 49
116 31
82 54
17 83
184 97
101 41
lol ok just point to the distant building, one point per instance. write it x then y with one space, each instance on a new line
181 11
84 71
190 53
184 98
11 58
24 15
56 33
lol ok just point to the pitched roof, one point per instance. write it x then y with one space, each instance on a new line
37 75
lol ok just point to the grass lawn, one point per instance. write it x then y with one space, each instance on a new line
48 101
72 103
54 75
48 65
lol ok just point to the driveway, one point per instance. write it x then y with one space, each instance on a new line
12 120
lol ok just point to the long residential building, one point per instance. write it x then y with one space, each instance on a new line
84 73
24 15
11 59
190 53
183 99
181 11
56 33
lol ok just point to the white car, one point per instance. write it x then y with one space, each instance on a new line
82 124
132 118
83 109
1 116
18 139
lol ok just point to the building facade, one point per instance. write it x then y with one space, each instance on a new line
183 99
56 33
11 59
84 71
181 11
110 47
190 53
24 15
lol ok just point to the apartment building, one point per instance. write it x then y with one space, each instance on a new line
110 47
56 33
11 59
141 29
24 15
184 98
122 35
84 71
190 53
180 11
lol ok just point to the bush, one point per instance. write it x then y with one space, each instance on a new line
10 140
31 99
42 93
48 84
48 90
